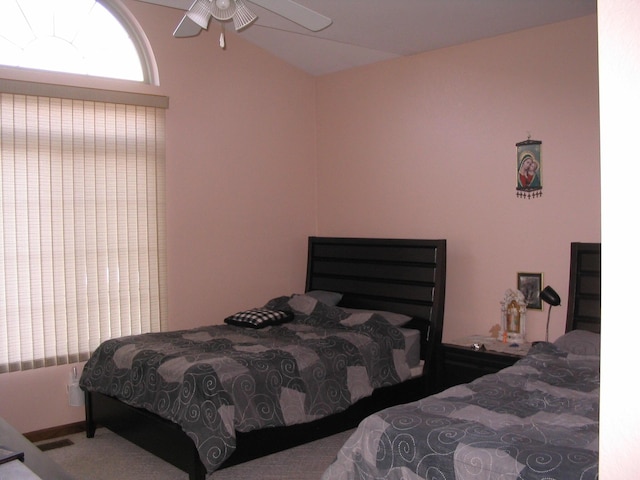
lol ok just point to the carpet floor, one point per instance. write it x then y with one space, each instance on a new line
108 457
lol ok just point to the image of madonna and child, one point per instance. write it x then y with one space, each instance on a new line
528 173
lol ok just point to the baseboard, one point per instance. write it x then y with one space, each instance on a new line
55 432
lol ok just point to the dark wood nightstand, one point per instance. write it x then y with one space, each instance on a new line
459 362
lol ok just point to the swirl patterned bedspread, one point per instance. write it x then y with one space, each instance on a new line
218 379
535 420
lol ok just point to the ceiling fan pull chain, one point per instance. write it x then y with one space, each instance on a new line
223 42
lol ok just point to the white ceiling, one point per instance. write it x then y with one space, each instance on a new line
368 31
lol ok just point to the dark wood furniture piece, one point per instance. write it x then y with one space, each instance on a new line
583 312
398 275
459 364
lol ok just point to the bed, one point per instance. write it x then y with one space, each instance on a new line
538 419
222 400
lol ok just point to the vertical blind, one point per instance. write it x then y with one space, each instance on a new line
82 232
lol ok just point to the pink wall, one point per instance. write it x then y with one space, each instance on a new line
419 147
240 164
424 147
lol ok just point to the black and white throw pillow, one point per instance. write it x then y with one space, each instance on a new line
259 318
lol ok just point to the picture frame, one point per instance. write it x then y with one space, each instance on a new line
530 284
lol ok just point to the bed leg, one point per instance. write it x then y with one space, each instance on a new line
196 468
90 425
198 472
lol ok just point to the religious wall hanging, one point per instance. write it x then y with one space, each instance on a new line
529 179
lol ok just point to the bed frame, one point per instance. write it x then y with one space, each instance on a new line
583 312
397 275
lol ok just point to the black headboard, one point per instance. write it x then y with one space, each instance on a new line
583 312
397 275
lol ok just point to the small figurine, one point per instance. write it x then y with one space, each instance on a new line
514 316
495 331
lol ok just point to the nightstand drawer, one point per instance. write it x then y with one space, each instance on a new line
463 364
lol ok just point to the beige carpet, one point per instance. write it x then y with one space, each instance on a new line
109 457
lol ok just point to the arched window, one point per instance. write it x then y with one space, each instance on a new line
90 37
81 185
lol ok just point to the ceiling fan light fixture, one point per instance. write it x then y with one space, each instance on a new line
243 16
200 13
223 9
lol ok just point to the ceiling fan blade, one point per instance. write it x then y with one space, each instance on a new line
179 4
186 28
303 16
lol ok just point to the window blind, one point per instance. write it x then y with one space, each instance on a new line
82 234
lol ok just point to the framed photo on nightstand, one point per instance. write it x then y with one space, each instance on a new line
530 284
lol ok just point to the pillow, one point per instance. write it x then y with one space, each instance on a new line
259 318
330 298
395 319
579 342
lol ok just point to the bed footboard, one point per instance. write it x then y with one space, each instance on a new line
167 440
152 433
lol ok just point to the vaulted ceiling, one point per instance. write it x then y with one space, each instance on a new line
368 31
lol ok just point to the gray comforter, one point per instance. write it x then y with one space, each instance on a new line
218 379
535 420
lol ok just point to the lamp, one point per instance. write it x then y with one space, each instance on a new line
243 16
550 296
236 10
223 9
200 13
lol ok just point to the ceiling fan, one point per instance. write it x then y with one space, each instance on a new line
199 13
